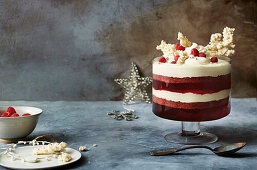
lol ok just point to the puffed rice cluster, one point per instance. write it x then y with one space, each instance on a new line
64 157
50 149
82 148
219 45
167 49
183 40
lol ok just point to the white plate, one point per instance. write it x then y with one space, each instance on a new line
26 151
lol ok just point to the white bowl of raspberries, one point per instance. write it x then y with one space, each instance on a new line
17 121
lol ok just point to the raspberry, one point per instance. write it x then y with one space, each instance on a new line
26 114
173 62
194 52
202 55
179 47
214 59
176 58
162 60
15 115
176 46
11 110
6 114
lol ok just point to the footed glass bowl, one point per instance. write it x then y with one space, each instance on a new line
191 94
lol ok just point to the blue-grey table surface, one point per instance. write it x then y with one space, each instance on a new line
126 144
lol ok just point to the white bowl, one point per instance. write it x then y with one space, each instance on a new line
18 127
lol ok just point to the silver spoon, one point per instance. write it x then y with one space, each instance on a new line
221 150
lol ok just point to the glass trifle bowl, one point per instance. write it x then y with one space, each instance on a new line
191 86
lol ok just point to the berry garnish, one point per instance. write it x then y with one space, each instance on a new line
176 58
202 55
173 62
26 114
214 59
177 45
181 48
162 60
194 52
6 114
15 115
11 110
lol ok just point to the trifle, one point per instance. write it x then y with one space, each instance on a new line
191 83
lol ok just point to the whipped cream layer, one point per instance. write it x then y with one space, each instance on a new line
191 69
190 97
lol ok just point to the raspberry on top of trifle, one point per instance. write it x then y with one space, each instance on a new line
195 79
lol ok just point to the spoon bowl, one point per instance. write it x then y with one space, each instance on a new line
228 149
221 150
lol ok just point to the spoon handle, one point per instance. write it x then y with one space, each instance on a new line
177 150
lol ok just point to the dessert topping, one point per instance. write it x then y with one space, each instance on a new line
220 45
176 58
50 149
202 55
214 59
179 47
182 58
162 60
167 49
183 40
194 52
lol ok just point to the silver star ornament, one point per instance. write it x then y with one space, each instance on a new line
135 86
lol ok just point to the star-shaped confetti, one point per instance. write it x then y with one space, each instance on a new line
135 86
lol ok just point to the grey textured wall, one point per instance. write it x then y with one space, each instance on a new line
72 50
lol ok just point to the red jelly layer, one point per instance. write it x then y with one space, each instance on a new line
192 115
193 105
200 85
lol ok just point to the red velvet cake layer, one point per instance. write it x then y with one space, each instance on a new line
196 88
191 79
200 85
192 115
193 105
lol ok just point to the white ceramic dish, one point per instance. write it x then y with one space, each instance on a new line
18 127
26 151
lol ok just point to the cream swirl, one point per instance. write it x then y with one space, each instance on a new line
197 61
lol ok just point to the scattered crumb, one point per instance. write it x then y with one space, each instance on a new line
83 148
64 157
95 145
